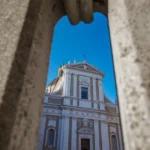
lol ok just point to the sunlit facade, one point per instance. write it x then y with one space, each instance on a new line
77 115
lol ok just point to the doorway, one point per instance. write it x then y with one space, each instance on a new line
85 144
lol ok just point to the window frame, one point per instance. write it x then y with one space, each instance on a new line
87 92
113 134
47 137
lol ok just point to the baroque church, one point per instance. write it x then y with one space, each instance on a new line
77 115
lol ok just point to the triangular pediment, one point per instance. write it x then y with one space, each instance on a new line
84 67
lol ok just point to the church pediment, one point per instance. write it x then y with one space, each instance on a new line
84 67
85 131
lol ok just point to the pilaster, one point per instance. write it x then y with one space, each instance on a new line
105 135
75 90
94 93
64 133
67 82
96 130
74 134
41 134
101 95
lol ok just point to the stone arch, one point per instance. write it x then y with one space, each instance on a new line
25 29
28 73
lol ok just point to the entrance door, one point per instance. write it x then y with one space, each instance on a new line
85 144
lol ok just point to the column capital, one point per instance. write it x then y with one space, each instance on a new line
94 78
75 74
104 121
96 120
74 118
64 117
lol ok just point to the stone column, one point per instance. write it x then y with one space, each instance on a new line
64 133
130 34
104 136
94 93
75 90
41 133
26 31
96 130
101 95
74 134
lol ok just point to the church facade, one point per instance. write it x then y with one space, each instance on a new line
77 115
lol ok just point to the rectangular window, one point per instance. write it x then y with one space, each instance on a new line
84 93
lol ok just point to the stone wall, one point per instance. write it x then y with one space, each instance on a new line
26 33
130 32
26 29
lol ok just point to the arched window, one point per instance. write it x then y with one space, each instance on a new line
50 138
114 145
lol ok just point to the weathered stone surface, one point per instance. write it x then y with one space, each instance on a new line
130 33
27 31
72 11
79 10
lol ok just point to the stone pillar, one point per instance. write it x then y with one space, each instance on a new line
67 81
75 90
130 34
26 31
59 134
96 130
104 136
74 134
94 93
64 133
101 95
41 133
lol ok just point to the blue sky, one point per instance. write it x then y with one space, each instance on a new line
71 42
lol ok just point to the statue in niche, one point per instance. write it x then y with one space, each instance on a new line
85 122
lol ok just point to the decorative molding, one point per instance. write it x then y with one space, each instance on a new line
96 121
85 122
79 123
91 124
110 105
112 130
52 123
64 112
84 73
84 80
85 131
84 67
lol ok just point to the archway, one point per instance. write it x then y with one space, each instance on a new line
20 113
32 75
67 40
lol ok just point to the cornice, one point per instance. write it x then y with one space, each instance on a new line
77 108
